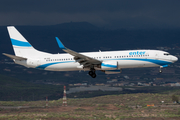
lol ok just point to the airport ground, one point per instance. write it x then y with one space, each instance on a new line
109 107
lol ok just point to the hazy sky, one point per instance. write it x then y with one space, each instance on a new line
129 14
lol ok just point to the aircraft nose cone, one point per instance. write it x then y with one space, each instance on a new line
174 59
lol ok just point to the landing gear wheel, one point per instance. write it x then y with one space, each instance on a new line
93 75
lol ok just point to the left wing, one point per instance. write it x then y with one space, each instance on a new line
82 59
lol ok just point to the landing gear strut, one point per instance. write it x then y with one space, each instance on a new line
92 73
160 71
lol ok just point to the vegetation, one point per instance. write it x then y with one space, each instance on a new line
15 89
109 107
127 90
175 98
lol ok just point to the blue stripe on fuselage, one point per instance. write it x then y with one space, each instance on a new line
158 62
49 64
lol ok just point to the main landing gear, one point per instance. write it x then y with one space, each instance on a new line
92 73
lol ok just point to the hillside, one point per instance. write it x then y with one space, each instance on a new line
15 89
19 90
110 107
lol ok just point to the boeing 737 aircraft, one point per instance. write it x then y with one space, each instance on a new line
110 62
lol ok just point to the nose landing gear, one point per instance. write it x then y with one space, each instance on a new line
160 70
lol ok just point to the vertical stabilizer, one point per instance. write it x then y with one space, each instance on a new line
20 45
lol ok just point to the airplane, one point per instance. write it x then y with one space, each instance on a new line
109 62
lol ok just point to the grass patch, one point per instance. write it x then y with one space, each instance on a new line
80 109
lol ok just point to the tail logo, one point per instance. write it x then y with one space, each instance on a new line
20 43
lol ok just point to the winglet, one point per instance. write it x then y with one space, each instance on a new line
60 43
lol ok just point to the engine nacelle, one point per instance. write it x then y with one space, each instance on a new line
109 65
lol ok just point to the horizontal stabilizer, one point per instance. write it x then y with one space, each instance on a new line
14 57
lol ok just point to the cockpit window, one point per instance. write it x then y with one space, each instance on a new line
166 54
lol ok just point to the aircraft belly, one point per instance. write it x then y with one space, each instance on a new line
63 67
135 64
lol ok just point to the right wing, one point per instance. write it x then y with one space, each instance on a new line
84 60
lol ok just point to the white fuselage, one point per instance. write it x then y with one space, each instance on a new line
124 59
109 62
